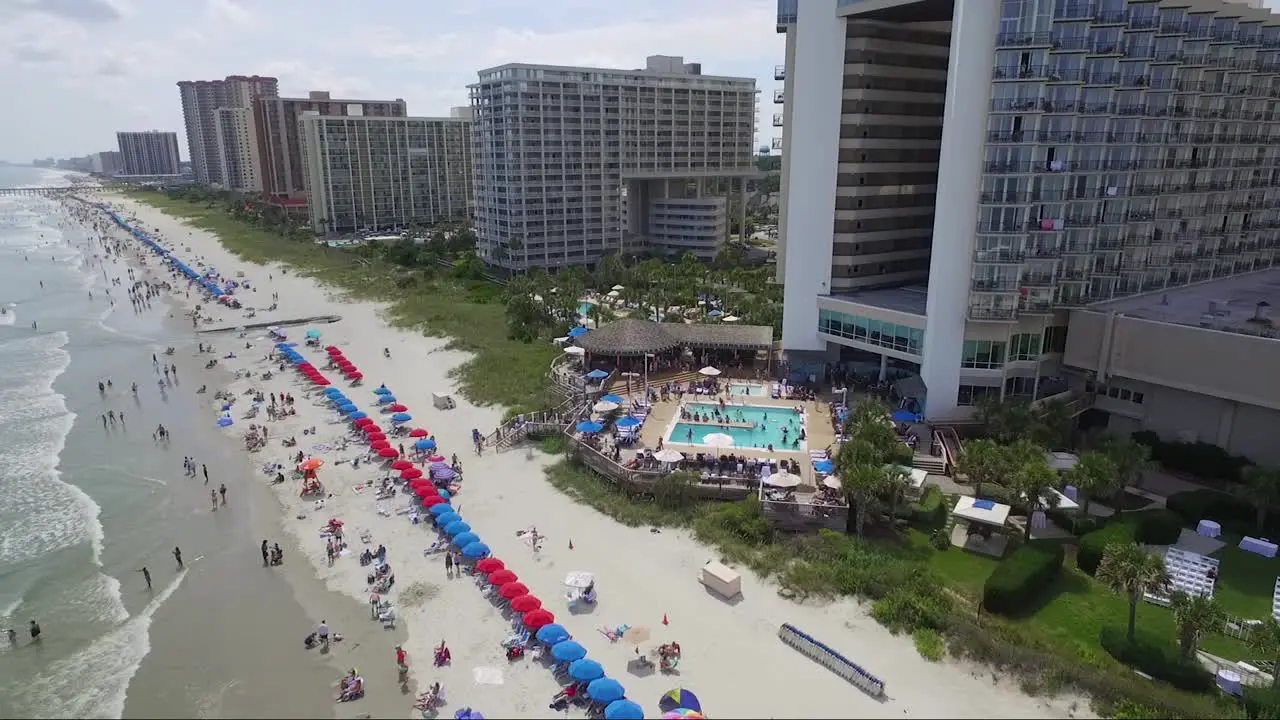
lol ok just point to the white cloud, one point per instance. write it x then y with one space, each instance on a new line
230 12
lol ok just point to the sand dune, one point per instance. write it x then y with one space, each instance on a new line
732 657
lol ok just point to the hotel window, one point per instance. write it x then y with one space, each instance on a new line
1024 346
872 332
983 354
973 394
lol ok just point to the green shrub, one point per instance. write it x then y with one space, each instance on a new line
929 644
1261 702
1231 512
1093 545
1076 523
940 539
1200 459
1159 526
1157 658
1021 577
930 511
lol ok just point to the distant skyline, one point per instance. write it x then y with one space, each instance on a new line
85 69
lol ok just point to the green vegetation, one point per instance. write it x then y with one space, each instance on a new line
422 295
1203 460
929 643
1022 577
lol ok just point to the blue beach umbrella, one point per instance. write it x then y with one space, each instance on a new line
568 651
440 509
442 493
679 698
824 466
348 408
578 331
450 517
465 539
627 421
386 399
341 400
585 670
381 390
224 421
597 375
425 444
332 391
552 634
586 426
623 710
358 415
605 690
613 399
457 527
313 333
902 416
476 550
401 417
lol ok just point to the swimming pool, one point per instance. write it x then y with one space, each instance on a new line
746 390
584 308
768 423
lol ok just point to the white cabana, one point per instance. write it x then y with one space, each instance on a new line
915 476
986 512
1063 502
1061 461
560 340
709 371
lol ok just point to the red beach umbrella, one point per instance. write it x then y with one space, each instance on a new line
421 481
433 500
379 445
424 491
333 349
306 367
363 422
399 464
396 407
436 458
526 604
388 452
412 473
371 428
353 375
320 380
538 618
418 432
346 365
489 565
502 577
375 436
512 590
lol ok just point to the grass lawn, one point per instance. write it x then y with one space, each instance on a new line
1073 611
470 313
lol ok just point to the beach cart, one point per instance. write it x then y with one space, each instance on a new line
442 401
721 579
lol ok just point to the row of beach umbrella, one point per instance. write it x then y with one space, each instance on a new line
208 285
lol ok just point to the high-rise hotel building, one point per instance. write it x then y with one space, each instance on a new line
210 135
150 152
1021 197
573 163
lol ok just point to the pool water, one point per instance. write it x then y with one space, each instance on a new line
745 390
584 308
768 421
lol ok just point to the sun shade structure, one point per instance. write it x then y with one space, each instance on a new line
987 512
631 337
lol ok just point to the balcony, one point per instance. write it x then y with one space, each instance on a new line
998 257
1024 39
777 119
779 72
776 144
992 313
1021 72
1044 252
1074 11
1038 280
995 285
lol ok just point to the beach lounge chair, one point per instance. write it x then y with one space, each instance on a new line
436 547
614 634
520 638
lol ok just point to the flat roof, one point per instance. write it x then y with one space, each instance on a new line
981 511
1227 304
907 299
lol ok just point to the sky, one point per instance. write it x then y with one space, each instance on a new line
78 71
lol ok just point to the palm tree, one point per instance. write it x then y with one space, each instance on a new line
1094 475
1195 615
895 483
1130 457
1127 568
982 461
1007 420
1261 488
861 476
1029 477
1053 425
1265 639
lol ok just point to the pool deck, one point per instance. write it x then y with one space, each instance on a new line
817 428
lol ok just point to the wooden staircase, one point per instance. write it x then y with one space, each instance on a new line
928 463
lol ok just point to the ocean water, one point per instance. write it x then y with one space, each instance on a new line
64 481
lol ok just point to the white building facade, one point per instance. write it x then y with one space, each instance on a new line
958 176
151 152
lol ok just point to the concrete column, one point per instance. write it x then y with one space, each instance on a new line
884 367
973 41
1226 426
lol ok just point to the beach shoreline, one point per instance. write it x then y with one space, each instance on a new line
646 578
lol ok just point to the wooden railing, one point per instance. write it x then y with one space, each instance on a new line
643 481
792 516
949 439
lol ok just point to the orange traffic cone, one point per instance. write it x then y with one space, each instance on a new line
664 619
570 543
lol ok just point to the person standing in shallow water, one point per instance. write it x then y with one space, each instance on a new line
177 555
265 558
146 575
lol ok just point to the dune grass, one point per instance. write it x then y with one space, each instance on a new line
469 313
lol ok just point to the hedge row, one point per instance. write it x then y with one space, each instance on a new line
1076 523
1200 459
1092 546
1157 526
1234 514
1157 658
1021 577
930 512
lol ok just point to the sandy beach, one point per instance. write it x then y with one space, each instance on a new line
643 577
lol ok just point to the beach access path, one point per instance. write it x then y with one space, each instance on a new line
732 657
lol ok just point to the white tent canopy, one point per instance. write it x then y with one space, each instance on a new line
986 512
1063 502
1061 460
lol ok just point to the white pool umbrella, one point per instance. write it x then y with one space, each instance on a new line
613 293
605 407
667 455
574 350
832 482
782 479
617 287
729 318
718 440
709 371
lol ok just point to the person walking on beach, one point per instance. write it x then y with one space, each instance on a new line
222 490
34 628
265 561
146 575
448 564
213 498
177 555
205 468
13 637
322 632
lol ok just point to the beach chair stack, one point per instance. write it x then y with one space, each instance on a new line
1190 573
1275 602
